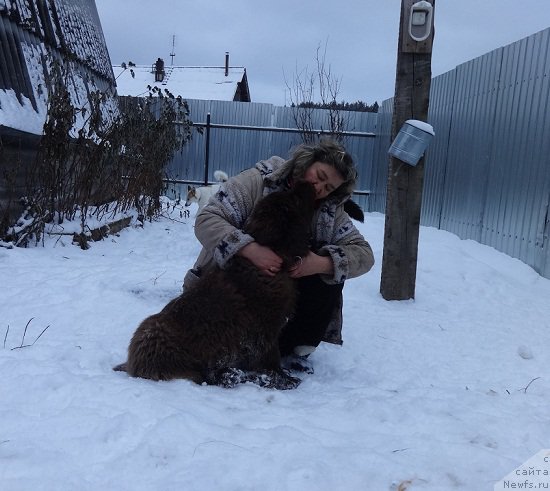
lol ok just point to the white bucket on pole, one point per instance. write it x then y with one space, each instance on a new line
412 141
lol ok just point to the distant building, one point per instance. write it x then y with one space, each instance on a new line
223 83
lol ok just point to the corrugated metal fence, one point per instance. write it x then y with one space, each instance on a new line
233 150
487 172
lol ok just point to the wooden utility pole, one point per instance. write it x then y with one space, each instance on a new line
404 187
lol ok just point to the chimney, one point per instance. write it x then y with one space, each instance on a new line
226 63
159 70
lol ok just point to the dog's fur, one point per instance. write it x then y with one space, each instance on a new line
225 329
202 194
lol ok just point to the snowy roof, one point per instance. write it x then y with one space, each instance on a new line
190 82
39 32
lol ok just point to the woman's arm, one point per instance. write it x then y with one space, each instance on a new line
350 253
218 226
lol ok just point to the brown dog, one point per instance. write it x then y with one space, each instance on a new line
225 330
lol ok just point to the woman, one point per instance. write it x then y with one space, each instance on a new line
338 250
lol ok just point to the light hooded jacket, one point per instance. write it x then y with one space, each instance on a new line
219 226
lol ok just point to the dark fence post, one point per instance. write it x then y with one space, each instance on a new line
207 150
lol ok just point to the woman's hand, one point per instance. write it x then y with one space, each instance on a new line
312 264
262 257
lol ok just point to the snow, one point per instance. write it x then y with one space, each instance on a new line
194 82
421 125
448 391
21 115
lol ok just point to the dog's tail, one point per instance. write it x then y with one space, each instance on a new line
354 210
123 367
220 176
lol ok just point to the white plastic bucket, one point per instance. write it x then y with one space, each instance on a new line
412 141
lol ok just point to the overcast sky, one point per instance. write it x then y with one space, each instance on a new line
273 39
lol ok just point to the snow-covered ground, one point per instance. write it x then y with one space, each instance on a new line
449 391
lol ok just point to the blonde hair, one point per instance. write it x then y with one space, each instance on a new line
328 152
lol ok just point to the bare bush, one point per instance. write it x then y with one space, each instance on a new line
307 86
115 161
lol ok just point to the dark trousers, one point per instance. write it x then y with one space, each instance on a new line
316 302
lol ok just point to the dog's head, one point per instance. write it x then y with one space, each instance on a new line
191 195
282 220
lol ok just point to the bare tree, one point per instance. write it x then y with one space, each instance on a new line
305 86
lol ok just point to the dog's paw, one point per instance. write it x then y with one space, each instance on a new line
278 380
296 363
231 377
227 377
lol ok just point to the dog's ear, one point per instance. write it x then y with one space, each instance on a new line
189 187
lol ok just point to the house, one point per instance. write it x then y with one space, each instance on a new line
224 83
34 34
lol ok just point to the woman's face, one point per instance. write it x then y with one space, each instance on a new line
324 178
